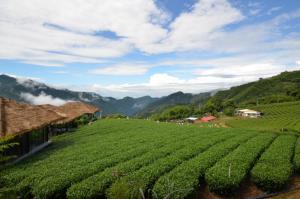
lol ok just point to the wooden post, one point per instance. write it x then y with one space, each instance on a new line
101 114
2 118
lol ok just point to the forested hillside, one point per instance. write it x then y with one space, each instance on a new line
280 88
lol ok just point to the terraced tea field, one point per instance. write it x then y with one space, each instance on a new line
125 158
277 117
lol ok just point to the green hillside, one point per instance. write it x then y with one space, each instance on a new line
121 158
283 87
178 98
277 117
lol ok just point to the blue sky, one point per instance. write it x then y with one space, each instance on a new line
148 47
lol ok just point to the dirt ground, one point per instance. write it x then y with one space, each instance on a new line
295 184
251 191
248 190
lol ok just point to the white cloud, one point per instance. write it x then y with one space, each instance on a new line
64 31
206 79
254 8
205 29
121 69
162 79
53 33
61 72
21 79
274 9
194 30
254 11
43 99
43 63
256 70
81 97
261 37
30 82
158 89
34 82
254 4
37 44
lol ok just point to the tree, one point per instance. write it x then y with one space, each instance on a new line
228 107
173 113
229 111
213 106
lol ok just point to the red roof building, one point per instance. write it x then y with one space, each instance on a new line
208 118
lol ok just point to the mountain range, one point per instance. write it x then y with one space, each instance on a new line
30 91
283 87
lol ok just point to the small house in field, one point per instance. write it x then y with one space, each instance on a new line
208 118
27 124
70 112
191 119
248 113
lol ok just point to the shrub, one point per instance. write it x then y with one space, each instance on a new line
297 156
142 179
274 167
227 175
185 177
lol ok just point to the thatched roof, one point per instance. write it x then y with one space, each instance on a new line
71 110
17 118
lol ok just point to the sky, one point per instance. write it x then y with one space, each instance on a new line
148 47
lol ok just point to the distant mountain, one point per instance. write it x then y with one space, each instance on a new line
285 86
27 90
178 98
131 106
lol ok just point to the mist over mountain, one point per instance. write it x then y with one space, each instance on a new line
33 92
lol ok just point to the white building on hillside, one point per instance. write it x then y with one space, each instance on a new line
248 113
191 119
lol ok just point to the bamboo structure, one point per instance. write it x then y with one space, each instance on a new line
17 118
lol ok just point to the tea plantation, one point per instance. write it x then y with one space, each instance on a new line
115 158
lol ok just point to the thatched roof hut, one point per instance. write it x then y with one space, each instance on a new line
17 118
71 110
